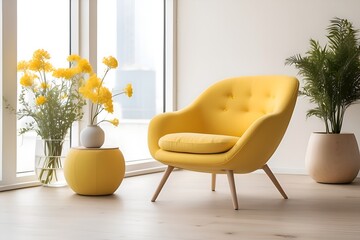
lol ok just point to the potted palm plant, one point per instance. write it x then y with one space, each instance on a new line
331 80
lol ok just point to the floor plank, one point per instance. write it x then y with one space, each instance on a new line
186 209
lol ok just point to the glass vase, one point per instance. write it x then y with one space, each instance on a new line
49 161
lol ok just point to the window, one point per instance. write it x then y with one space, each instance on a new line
34 24
133 32
29 25
40 29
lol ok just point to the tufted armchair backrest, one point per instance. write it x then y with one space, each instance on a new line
230 106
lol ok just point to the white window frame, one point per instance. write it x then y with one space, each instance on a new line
170 54
10 179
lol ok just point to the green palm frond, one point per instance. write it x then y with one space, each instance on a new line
331 74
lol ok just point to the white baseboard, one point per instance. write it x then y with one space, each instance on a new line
296 171
19 185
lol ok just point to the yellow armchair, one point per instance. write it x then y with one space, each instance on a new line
232 127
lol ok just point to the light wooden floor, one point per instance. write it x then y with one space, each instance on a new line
186 209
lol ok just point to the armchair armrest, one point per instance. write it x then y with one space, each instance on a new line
257 144
186 120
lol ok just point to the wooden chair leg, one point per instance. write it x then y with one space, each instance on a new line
162 182
230 175
274 180
213 181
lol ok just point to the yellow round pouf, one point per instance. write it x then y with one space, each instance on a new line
94 171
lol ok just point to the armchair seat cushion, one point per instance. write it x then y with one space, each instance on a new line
197 142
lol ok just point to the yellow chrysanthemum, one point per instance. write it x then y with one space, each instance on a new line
73 58
59 73
110 61
44 85
40 100
91 88
48 67
128 90
35 65
84 90
94 81
114 122
66 73
41 54
104 95
108 106
84 66
88 93
27 80
22 66
38 64
39 61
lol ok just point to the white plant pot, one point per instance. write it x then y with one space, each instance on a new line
92 136
332 158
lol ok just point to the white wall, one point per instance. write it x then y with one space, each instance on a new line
223 38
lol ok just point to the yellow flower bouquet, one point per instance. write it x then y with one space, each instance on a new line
50 96
101 99
100 96
50 99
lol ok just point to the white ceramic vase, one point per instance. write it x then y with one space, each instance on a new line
332 158
92 136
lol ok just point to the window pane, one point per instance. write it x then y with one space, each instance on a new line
41 24
133 32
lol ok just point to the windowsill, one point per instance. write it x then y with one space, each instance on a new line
14 186
134 168
145 166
